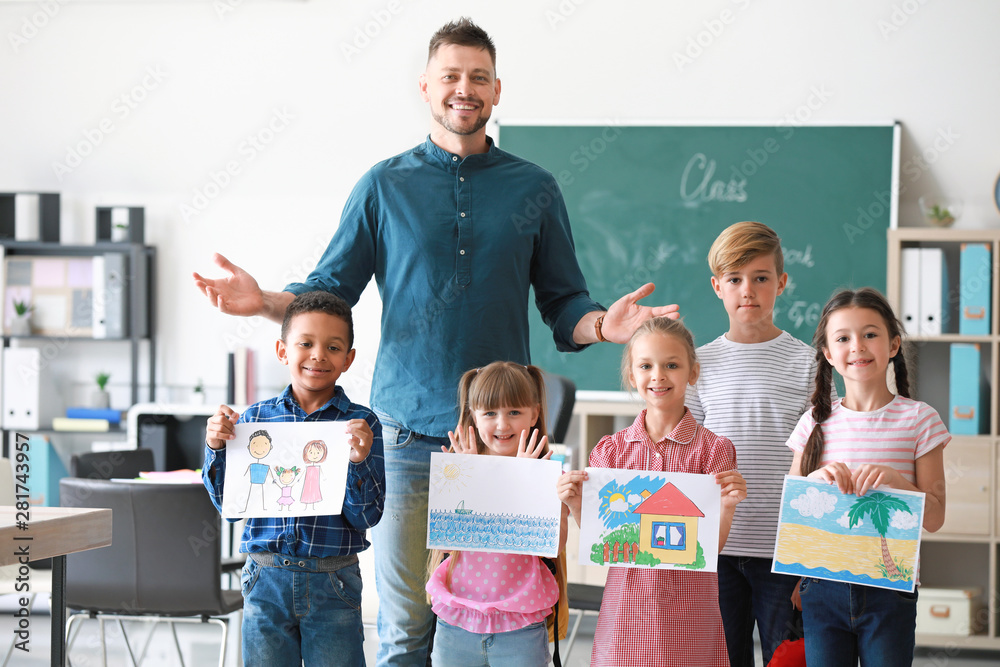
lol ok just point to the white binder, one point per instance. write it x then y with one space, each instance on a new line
933 292
29 399
909 289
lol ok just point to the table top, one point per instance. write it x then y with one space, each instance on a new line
52 531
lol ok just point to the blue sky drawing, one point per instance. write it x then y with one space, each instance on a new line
618 512
826 509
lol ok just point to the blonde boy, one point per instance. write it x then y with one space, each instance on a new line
755 383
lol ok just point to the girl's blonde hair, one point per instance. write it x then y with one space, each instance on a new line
660 325
501 384
869 298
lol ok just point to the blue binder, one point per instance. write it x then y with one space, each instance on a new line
967 413
46 469
975 276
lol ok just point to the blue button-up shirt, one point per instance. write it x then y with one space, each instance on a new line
312 536
454 245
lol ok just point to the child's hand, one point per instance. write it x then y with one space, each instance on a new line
460 445
734 487
221 427
835 473
569 488
529 449
872 476
361 439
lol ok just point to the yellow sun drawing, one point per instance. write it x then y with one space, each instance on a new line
448 476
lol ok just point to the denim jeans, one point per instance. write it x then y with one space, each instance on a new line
405 620
455 647
845 622
749 592
294 613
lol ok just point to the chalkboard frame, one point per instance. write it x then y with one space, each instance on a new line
595 370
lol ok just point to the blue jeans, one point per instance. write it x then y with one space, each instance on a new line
749 592
845 622
293 614
405 620
455 647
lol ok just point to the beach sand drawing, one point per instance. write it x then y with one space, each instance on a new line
493 503
650 519
872 540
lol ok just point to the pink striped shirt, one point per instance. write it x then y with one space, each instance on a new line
895 435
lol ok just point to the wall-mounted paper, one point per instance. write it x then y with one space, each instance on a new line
872 540
493 503
643 518
276 469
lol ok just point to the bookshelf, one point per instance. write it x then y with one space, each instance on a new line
137 325
965 552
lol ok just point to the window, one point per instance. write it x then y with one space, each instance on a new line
669 535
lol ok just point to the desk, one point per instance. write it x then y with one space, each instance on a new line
52 533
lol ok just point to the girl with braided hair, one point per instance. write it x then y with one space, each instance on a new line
870 438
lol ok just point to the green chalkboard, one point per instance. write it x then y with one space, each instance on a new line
647 201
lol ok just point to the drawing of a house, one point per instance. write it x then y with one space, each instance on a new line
668 528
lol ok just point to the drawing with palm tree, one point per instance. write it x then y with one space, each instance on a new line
878 506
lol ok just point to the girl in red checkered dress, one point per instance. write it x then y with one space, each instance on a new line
659 617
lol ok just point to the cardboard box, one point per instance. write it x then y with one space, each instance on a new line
950 611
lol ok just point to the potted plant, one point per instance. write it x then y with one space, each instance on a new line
119 231
21 324
198 395
101 398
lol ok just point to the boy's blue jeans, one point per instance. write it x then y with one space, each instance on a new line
405 620
527 647
749 592
845 622
293 613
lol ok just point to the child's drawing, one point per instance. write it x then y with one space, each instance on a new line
284 478
493 503
872 540
650 519
261 452
313 453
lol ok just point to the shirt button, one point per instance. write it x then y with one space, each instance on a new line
454 158
462 214
462 178
461 252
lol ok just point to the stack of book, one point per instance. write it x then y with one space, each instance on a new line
87 419
242 377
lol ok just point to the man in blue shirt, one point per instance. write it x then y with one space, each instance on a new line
455 232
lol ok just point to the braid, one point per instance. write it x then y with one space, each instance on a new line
902 376
813 452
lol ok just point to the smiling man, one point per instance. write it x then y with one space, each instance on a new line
456 237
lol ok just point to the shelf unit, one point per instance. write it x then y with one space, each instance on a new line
964 553
140 308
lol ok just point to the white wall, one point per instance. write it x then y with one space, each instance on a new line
200 77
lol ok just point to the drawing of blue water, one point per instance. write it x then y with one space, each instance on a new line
492 532
800 570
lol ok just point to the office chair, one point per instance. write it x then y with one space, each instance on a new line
560 395
117 464
164 564
582 598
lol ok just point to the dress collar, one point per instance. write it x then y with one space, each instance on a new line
682 434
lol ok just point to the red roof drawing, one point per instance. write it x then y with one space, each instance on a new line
668 501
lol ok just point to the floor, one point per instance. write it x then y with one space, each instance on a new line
200 646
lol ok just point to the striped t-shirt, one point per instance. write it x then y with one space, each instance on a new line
753 394
896 435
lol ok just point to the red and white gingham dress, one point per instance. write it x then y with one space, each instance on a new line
661 618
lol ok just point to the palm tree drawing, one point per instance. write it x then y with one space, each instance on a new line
877 506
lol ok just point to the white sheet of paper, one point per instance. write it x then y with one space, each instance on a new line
278 480
493 503
644 518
